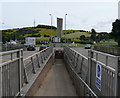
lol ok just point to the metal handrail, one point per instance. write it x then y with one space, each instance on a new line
18 64
9 52
85 84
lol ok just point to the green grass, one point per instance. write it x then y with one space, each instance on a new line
47 32
111 42
76 35
69 31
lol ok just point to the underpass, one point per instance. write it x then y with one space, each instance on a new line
67 72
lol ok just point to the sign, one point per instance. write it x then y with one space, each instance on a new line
98 76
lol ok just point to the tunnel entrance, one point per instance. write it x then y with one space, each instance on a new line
59 54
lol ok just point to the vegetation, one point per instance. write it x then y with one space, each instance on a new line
93 34
21 33
45 33
116 31
76 35
107 42
42 33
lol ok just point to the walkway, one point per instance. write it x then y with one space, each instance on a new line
57 82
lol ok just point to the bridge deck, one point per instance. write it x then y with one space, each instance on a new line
57 82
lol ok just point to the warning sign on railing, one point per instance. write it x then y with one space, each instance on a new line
98 76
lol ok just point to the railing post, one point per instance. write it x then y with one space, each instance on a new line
41 55
76 64
44 54
26 78
33 66
90 56
19 68
38 60
118 78
0 81
11 56
81 65
118 89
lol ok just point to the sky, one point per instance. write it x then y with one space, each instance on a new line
80 15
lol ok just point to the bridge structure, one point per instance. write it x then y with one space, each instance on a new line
60 71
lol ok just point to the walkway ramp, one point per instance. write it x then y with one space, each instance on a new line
57 82
45 74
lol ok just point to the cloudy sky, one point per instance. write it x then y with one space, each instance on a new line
80 15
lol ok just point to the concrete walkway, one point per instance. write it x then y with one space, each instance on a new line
57 82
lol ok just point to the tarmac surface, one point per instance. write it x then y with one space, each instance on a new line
57 82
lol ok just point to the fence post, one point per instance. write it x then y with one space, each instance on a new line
118 81
116 93
11 56
90 56
19 68
33 66
0 81
25 74
38 60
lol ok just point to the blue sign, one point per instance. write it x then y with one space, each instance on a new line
98 76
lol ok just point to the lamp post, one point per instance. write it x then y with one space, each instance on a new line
65 27
51 20
65 21
34 23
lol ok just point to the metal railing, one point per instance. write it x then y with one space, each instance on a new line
15 73
33 63
83 71
10 73
77 65
109 73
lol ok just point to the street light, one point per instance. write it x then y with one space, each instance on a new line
65 21
51 20
65 27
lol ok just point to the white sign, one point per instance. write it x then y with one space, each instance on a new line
98 76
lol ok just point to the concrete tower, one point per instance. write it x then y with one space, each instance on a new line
59 27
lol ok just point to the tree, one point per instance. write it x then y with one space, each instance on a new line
116 31
82 37
93 34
